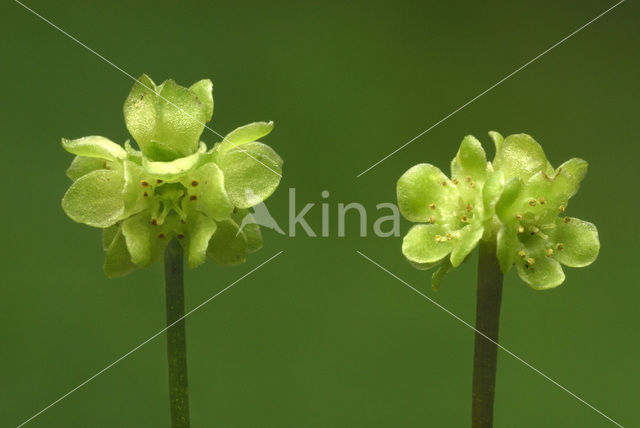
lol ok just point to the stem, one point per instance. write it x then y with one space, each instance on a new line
176 336
485 354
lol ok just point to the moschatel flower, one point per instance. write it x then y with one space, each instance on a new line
174 186
514 201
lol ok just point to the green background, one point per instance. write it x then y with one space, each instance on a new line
320 337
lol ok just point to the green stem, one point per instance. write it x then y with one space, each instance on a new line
485 355
176 336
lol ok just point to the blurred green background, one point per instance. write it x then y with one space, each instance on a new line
320 337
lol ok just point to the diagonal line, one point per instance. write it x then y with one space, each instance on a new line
149 339
491 340
140 83
489 89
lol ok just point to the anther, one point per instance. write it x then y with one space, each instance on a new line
522 254
194 183
432 219
183 221
161 235
549 252
438 238
532 202
520 229
531 261
567 219
145 194
469 207
562 208
154 221
455 181
159 181
472 184
144 183
179 236
464 218
542 200
519 217
560 247
432 206
468 179
193 197
449 237
444 184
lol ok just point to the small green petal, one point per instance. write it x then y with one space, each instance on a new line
421 186
108 235
95 147
545 273
521 156
82 165
505 205
245 134
182 117
491 191
576 168
170 171
465 243
96 198
141 112
251 173
134 192
251 230
198 231
203 89
228 246
146 242
426 243
507 248
471 161
580 242
207 185
436 278
118 261
497 139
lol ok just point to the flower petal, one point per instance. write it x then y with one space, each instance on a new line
228 246
245 134
96 198
470 161
251 230
545 273
436 278
465 243
251 173
108 235
497 139
118 261
420 187
170 171
505 207
83 165
426 243
507 247
203 89
182 117
577 242
207 185
145 241
198 231
521 156
95 147
491 192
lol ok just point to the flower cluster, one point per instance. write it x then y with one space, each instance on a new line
517 201
173 187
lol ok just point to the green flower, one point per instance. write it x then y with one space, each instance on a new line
514 200
174 187
535 234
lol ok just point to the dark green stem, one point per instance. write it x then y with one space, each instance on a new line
485 354
176 336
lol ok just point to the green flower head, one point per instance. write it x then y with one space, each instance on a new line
518 201
174 187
